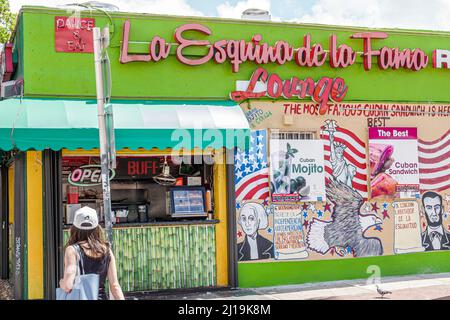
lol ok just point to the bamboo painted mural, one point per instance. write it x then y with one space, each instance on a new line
157 258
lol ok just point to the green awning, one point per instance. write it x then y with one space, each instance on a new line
71 124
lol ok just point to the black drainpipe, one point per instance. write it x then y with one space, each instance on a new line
4 223
231 221
53 234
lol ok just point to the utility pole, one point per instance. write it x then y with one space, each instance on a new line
105 122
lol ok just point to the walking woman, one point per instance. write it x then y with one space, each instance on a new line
95 252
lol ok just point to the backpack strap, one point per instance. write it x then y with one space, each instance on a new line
77 248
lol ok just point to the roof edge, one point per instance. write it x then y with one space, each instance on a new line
124 14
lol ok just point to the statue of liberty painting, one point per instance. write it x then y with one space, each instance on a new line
342 171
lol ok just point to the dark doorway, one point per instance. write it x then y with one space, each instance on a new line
4 223
53 208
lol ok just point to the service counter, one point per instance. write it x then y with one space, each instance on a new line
164 255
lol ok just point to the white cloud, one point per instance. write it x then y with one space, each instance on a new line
227 10
412 14
174 7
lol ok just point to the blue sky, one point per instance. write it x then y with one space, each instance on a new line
410 14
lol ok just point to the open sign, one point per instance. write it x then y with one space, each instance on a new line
88 175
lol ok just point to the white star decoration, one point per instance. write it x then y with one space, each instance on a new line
252 160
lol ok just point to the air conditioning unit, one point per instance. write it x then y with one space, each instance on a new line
10 89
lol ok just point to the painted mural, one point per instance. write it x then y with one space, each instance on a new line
348 223
256 235
407 227
345 156
251 169
289 238
346 228
434 237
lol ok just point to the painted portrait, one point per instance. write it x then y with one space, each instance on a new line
252 218
434 237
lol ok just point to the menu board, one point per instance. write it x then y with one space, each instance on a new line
188 201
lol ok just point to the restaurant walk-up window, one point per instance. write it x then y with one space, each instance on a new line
144 189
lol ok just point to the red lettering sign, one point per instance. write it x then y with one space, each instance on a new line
441 59
340 57
390 57
158 48
142 168
324 91
239 51
74 34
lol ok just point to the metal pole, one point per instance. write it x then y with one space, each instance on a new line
231 221
98 53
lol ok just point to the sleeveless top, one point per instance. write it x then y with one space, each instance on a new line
99 266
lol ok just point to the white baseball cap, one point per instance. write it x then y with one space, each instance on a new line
85 218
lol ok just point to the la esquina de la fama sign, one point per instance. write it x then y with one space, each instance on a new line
324 91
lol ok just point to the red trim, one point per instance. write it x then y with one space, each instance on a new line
352 160
433 150
436 159
343 141
250 194
433 170
435 141
255 178
357 175
438 189
435 180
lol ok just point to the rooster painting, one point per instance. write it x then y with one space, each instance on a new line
347 227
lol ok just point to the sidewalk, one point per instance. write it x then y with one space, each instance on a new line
417 287
5 290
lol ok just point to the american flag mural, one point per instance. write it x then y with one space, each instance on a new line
355 154
434 163
251 170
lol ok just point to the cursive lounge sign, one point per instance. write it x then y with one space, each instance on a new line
323 91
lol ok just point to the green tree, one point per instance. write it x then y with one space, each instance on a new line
7 21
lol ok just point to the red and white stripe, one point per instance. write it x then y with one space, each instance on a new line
254 186
355 153
434 163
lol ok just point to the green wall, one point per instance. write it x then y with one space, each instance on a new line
72 74
297 272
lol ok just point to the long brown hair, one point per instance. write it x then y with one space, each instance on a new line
94 239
